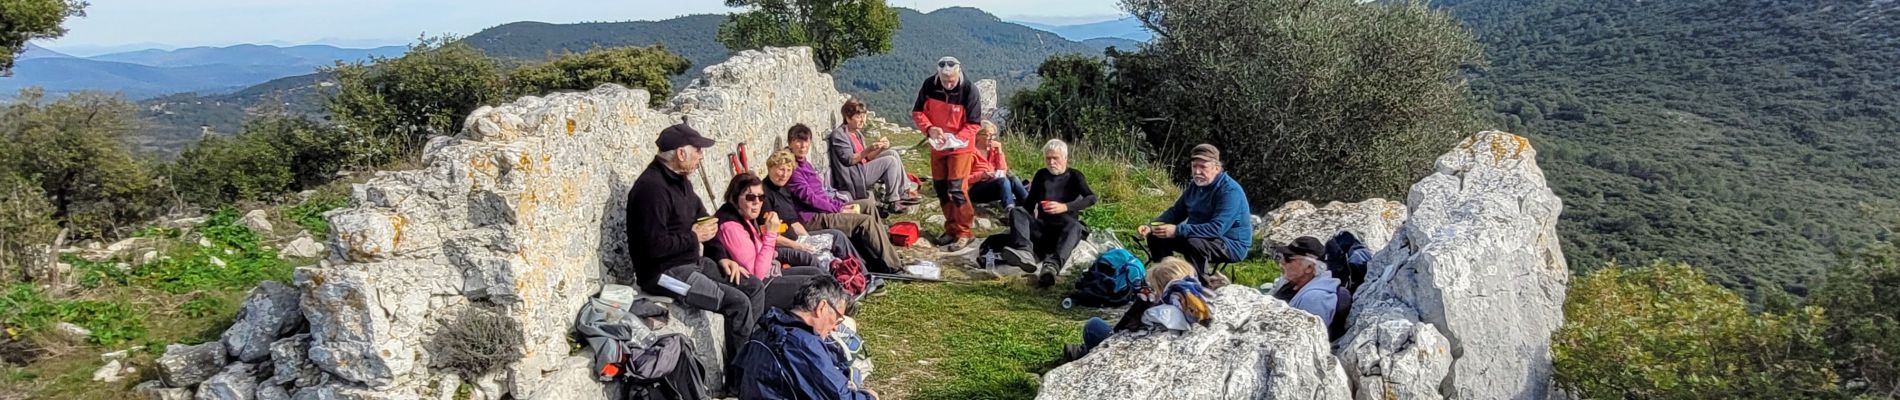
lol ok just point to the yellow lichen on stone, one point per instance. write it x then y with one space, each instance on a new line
570 127
395 225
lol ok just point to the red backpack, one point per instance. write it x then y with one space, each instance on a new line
850 273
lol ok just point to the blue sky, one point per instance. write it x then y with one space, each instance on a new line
112 25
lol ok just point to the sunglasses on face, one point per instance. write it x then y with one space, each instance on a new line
752 197
946 64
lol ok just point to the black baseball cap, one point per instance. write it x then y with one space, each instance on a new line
1304 246
680 135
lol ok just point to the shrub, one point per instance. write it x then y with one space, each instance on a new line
26 310
1863 303
1076 102
309 213
25 228
478 341
1663 331
633 67
393 106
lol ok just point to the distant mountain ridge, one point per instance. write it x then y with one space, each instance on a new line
150 73
1127 28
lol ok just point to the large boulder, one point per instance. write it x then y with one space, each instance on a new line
1257 348
1373 221
1474 278
237 382
269 312
524 211
182 366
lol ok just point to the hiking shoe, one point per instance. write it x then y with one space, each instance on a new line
956 245
1073 351
1047 276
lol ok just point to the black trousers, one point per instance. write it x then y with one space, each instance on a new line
1197 251
780 291
709 289
1051 238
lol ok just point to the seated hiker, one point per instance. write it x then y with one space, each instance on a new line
791 356
1208 224
1307 285
750 234
989 178
856 165
1174 300
674 251
807 182
870 237
1045 231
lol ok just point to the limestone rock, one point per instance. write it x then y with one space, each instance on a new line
112 372
525 209
1478 262
302 247
272 392
154 390
237 382
290 362
183 366
572 381
1373 221
258 221
72 331
268 313
1257 348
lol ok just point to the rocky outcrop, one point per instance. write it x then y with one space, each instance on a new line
1257 348
1372 221
523 213
183 366
1461 303
269 312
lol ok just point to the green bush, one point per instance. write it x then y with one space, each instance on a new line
393 105
74 149
1863 303
633 67
309 213
25 227
218 171
1308 99
1077 102
836 30
1664 332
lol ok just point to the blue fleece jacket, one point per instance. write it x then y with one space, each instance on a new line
1216 211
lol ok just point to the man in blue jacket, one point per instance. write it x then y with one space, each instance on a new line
1209 223
790 355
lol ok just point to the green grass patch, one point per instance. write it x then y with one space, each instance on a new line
985 340
236 260
309 213
26 311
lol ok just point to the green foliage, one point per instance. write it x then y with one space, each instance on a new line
202 306
309 213
1860 298
73 148
836 30
1317 100
633 67
272 155
1077 103
25 228
1664 332
187 268
393 106
1730 135
26 20
26 308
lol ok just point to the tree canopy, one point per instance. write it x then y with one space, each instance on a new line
836 30
24 20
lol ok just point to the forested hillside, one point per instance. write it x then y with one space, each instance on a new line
1756 138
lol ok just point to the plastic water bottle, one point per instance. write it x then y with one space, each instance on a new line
1068 303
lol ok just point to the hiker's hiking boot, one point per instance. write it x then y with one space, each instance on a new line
958 246
1073 351
1019 258
1046 277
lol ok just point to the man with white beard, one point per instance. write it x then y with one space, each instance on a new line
1208 224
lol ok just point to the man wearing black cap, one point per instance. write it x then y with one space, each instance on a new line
672 247
1307 285
1209 223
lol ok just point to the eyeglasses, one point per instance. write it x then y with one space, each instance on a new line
752 197
946 64
834 310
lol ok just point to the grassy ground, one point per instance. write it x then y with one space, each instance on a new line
183 297
993 339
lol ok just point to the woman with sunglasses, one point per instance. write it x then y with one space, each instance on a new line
751 234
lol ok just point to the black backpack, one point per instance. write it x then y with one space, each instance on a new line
1339 252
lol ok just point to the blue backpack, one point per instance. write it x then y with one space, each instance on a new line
1115 279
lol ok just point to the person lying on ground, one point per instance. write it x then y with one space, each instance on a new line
1045 232
1307 285
1208 224
948 111
869 237
790 356
1172 300
674 250
856 165
989 179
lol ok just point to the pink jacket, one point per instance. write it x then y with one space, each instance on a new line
755 252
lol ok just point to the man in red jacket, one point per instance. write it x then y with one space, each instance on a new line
948 112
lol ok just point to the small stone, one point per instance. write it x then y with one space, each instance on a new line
985 224
258 221
273 392
215 261
122 245
115 356
934 219
111 372
237 382
183 366
290 362
153 390
303 247
203 242
74 332
1151 192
